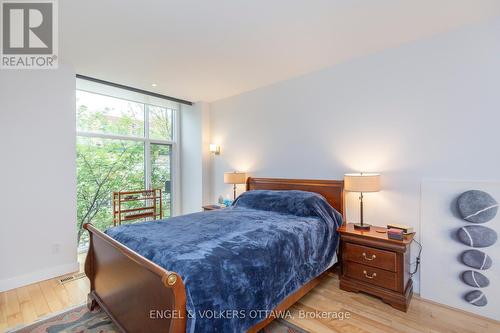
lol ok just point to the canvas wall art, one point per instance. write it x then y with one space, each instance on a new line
459 226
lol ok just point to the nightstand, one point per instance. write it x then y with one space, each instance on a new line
211 207
374 264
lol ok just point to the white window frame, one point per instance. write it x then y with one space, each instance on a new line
174 143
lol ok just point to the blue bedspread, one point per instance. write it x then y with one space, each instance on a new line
246 258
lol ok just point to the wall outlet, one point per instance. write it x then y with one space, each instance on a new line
56 247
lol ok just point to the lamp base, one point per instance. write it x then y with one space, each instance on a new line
363 226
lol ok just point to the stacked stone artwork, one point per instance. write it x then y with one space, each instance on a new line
476 207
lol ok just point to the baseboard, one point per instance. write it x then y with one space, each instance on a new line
472 314
41 275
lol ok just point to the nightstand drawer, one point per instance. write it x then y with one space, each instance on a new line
375 276
370 256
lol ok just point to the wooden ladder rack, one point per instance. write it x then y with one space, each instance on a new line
137 205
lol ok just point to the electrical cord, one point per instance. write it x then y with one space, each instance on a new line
417 263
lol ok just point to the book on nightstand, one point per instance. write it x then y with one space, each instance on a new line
406 228
393 233
212 207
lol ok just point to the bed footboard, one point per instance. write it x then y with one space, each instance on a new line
137 294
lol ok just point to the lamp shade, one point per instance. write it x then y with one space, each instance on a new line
362 182
235 177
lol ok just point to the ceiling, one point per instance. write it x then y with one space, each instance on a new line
204 50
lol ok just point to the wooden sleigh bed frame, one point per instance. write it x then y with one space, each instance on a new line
140 296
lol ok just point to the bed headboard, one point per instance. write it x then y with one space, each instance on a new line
332 190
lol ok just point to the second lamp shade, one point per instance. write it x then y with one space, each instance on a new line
235 177
362 182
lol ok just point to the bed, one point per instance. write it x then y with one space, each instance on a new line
156 277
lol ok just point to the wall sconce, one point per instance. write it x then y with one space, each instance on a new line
214 149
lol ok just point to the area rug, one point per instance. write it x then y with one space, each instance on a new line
75 320
81 320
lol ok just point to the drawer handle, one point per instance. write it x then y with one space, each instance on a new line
369 276
369 259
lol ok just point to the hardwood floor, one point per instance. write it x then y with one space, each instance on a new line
370 315
27 304
366 314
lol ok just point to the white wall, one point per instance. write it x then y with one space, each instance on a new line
429 109
194 155
37 170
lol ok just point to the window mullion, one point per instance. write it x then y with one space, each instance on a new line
175 164
147 151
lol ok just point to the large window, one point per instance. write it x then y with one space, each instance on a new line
125 142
